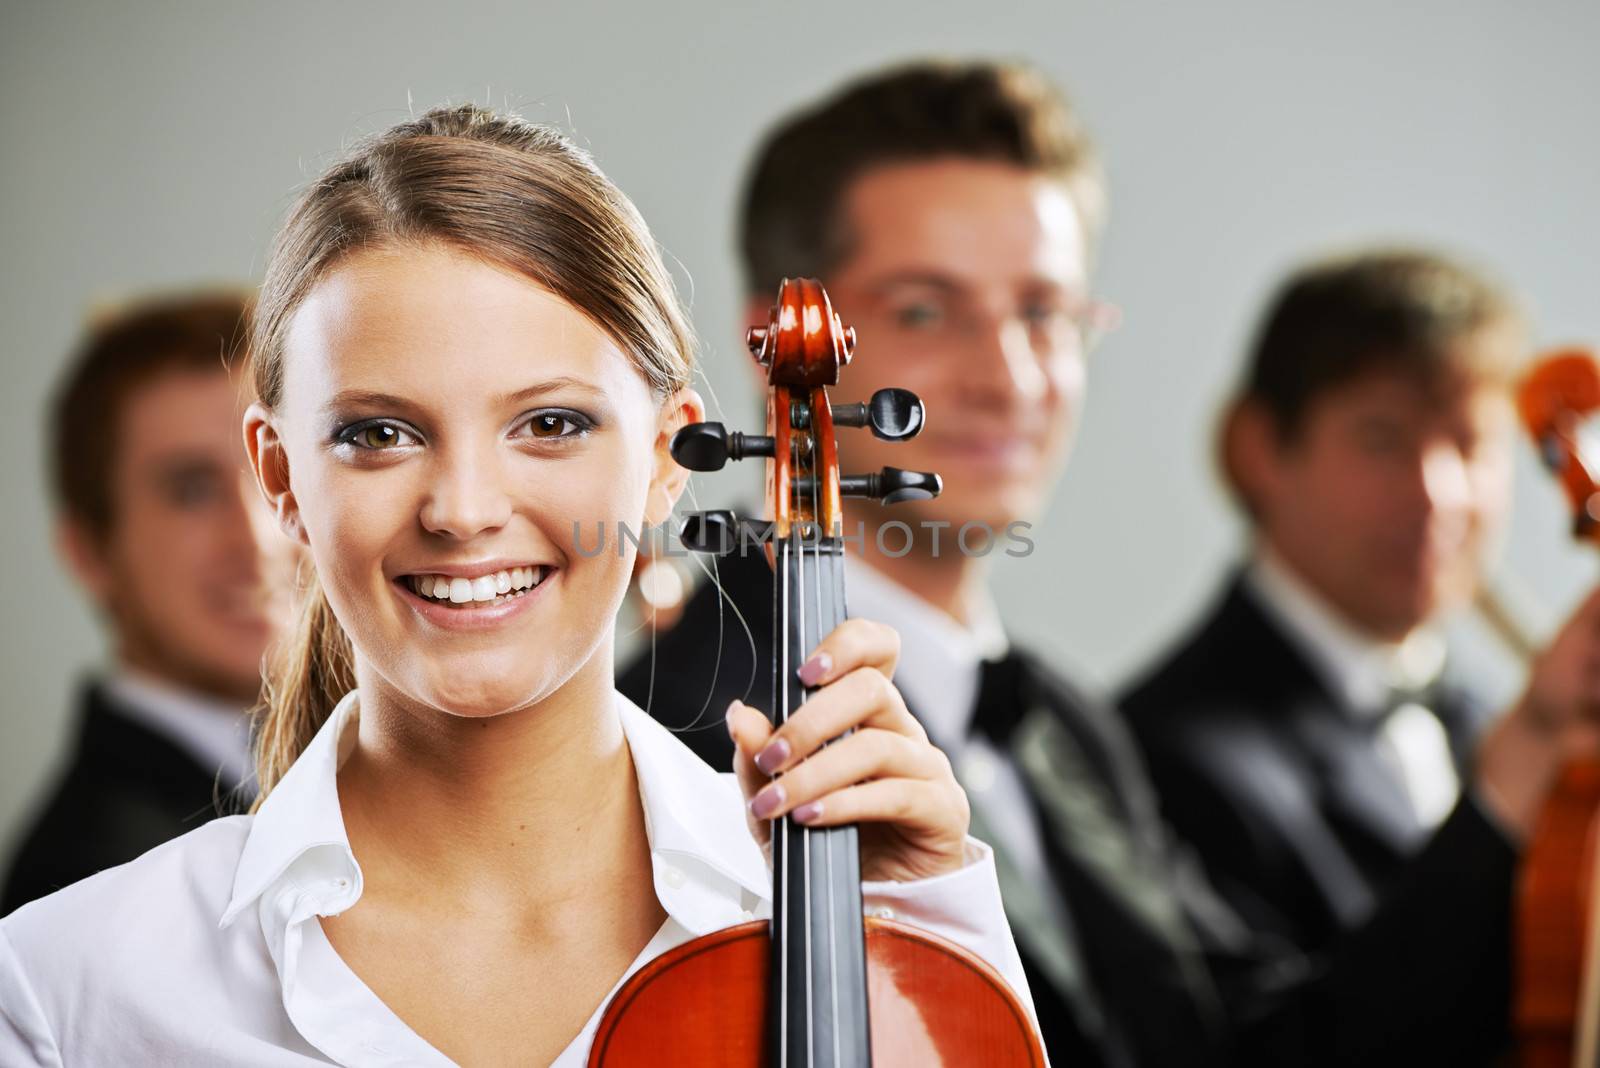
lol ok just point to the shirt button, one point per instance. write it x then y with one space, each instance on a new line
882 912
672 877
748 915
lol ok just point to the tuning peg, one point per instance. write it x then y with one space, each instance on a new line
710 532
893 414
892 485
720 532
709 446
755 339
1552 453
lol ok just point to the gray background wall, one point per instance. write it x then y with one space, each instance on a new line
156 144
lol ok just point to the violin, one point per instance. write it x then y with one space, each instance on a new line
818 985
1557 980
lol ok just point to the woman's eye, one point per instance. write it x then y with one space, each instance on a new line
376 436
555 425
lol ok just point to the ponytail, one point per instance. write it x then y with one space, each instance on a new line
307 675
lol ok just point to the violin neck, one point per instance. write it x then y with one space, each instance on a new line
819 976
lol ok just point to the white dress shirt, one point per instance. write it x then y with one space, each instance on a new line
1362 672
208 950
938 675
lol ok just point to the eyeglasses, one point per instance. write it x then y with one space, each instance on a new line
952 318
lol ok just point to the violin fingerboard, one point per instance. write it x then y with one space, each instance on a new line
819 995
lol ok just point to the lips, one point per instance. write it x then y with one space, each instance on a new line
492 595
999 450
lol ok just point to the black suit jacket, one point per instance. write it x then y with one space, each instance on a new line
125 790
1171 976
1282 792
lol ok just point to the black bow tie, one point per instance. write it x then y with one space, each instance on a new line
1002 698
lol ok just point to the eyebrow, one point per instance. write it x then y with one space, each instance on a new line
177 466
931 279
378 399
946 284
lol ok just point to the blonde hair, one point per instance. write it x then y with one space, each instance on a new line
510 191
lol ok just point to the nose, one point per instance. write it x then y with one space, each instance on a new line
1445 482
466 496
257 526
249 522
1004 361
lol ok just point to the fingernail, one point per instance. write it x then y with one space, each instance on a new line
727 717
772 757
807 812
813 670
768 801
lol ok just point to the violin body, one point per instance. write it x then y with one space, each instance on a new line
1555 919
676 1009
818 985
1557 966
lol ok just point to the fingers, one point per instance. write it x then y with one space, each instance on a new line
866 754
914 805
855 643
863 698
750 731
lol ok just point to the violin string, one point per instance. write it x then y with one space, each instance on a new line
780 922
827 835
796 459
852 895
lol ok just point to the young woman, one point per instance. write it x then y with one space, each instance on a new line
466 343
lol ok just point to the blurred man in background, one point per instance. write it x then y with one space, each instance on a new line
950 210
158 523
1306 737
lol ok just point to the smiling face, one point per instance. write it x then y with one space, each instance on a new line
964 282
445 423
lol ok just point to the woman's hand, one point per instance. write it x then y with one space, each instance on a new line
885 776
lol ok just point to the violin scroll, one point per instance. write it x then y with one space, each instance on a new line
803 347
1555 399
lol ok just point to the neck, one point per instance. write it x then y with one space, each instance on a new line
1299 579
506 812
137 658
945 577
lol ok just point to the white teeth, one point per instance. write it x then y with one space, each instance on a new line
483 588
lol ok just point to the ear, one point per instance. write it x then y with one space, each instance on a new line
1250 453
666 484
84 555
270 463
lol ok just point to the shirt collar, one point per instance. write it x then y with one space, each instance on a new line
708 870
939 656
301 818
1362 671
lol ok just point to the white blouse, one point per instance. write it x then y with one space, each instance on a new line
207 950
